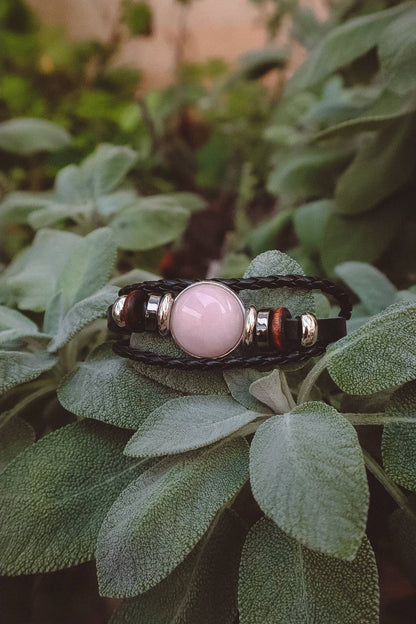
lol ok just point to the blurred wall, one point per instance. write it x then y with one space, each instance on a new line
215 28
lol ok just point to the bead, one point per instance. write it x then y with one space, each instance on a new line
163 314
262 329
309 330
150 316
277 327
118 311
249 326
134 309
207 320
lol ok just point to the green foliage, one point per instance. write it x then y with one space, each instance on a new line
29 136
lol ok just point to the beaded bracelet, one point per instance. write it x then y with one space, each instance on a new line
208 321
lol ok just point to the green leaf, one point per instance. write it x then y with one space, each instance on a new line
17 367
17 206
201 589
277 263
310 221
343 44
256 63
379 355
72 186
15 435
273 391
107 387
27 136
12 319
149 222
399 440
307 473
263 237
282 582
109 205
397 53
89 267
188 423
50 214
31 279
381 167
107 167
186 382
364 237
239 382
373 289
55 495
137 547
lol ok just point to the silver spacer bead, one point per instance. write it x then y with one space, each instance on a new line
163 314
150 316
309 330
262 328
249 326
117 311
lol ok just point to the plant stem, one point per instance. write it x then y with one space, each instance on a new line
390 487
25 402
311 378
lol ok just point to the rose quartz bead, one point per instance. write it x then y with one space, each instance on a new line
207 320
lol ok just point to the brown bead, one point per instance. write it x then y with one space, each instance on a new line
134 309
277 327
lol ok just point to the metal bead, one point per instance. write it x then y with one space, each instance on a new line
249 326
163 314
309 330
150 316
117 311
262 328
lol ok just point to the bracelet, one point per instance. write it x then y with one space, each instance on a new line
208 321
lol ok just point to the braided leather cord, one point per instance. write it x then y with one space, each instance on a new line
263 361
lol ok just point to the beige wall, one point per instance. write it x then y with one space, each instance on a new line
216 28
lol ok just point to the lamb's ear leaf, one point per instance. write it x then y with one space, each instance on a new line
203 588
137 547
17 367
277 263
239 382
399 440
188 423
273 391
26 136
15 435
373 288
379 355
282 581
81 314
54 496
12 319
307 473
107 167
397 51
107 387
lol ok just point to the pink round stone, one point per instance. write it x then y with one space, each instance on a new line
207 320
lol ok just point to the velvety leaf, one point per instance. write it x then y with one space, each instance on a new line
282 581
256 63
188 423
81 314
109 205
31 279
55 495
264 236
12 319
186 382
201 589
108 166
239 382
397 53
381 167
373 289
277 263
379 355
25 136
132 277
137 547
50 214
17 206
148 223
15 435
189 201
343 44
17 367
89 267
108 388
399 440
273 391
310 221
364 237
307 473
72 186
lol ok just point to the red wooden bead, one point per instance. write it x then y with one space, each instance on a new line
134 309
277 327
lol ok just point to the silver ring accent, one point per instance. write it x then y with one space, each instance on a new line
117 311
309 331
150 316
163 314
249 326
262 328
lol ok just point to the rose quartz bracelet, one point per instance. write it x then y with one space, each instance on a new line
208 321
